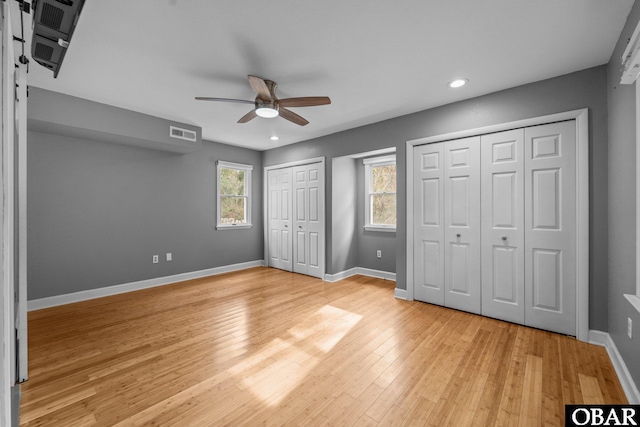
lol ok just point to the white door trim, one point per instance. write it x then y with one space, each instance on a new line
5 294
265 195
582 200
21 165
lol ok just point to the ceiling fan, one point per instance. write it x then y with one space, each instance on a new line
268 105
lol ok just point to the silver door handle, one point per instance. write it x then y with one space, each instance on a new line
504 238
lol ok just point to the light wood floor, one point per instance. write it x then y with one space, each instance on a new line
267 347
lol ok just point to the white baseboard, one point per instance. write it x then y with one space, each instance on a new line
57 300
400 293
628 385
341 275
386 275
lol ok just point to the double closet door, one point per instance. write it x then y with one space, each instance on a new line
295 206
495 224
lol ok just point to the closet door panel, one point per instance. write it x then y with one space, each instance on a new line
274 218
502 180
429 223
301 252
315 222
550 221
462 224
458 269
279 222
505 274
300 215
286 241
308 219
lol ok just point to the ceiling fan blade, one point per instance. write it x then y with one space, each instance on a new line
260 87
305 101
293 117
242 101
249 116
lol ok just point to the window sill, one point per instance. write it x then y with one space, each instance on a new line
379 228
233 227
634 300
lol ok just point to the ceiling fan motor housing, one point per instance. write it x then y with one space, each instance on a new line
268 108
271 85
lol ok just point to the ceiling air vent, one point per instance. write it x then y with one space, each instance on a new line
187 135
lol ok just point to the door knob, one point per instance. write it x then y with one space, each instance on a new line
299 226
504 238
286 225
458 235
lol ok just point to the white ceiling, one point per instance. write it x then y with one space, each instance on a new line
376 59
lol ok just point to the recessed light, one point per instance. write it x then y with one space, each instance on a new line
458 83
274 138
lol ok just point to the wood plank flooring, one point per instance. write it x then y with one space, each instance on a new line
266 347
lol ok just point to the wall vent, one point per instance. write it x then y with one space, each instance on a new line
187 135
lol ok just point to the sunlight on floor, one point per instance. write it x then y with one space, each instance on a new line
273 375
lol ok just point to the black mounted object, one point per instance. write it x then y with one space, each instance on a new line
53 25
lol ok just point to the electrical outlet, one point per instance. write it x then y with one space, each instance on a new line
629 327
169 256
379 253
156 259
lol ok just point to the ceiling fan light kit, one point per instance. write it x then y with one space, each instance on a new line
267 109
268 105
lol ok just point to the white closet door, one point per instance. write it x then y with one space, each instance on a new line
502 220
308 219
279 211
550 227
428 216
462 224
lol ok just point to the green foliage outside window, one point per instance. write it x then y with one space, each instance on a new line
383 195
233 199
231 182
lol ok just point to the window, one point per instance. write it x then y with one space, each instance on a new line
380 193
630 76
234 195
635 299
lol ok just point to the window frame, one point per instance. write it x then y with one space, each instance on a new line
221 164
634 299
369 163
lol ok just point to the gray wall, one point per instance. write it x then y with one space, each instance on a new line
343 241
98 211
350 245
84 119
583 89
622 205
15 405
